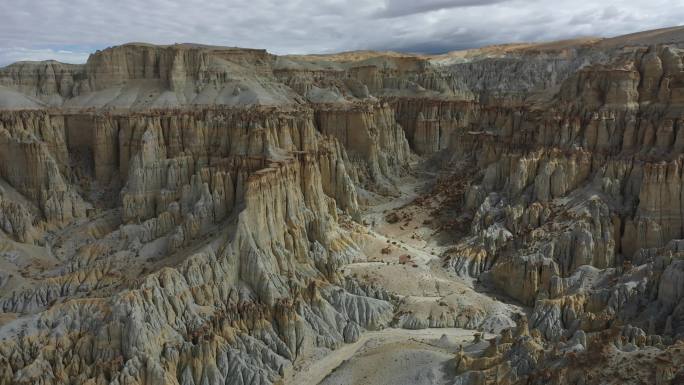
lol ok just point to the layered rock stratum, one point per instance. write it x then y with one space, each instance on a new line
204 215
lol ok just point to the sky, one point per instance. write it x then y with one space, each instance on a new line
68 30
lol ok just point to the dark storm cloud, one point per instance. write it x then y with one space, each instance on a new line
396 8
67 30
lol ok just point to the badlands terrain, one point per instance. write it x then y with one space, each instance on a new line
202 215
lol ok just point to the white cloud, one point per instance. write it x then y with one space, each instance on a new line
301 26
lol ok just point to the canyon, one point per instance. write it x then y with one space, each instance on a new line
201 215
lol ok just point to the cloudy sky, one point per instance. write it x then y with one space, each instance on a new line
67 30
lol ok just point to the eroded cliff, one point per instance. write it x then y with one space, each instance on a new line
191 214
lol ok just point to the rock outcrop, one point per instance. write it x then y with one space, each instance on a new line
576 214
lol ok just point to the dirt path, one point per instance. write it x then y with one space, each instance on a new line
319 370
379 229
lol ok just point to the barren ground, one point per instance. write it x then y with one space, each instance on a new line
395 355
